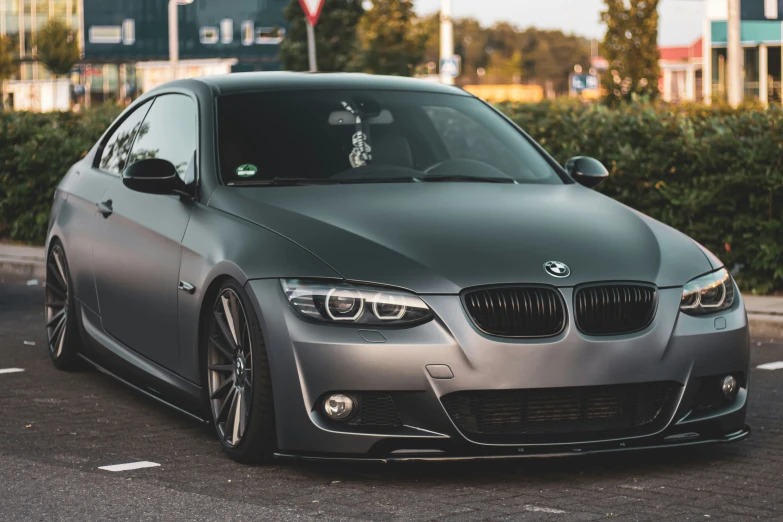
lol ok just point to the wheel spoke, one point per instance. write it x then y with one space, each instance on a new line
226 406
56 331
55 272
56 254
222 368
222 348
55 318
227 336
62 339
60 292
235 408
228 310
223 388
242 413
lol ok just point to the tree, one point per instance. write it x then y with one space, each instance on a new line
389 42
58 49
631 48
7 65
335 36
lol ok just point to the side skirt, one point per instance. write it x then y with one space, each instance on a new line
145 392
113 358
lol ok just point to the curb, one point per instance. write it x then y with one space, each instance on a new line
762 325
766 326
22 268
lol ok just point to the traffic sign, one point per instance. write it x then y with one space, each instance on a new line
450 66
312 10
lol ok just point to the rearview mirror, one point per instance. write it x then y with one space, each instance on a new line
586 171
152 176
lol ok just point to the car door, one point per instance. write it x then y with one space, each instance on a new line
137 248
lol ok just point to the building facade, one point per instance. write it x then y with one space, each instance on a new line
118 38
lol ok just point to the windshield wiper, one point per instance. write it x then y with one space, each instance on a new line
291 182
466 178
281 182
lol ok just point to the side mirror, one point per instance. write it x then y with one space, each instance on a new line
152 176
586 171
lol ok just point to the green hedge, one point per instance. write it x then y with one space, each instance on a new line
36 151
713 173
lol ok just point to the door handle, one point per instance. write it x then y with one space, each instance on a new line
105 208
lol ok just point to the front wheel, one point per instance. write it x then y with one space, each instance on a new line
238 378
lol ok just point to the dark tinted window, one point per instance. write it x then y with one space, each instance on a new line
168 132
370 134
115 152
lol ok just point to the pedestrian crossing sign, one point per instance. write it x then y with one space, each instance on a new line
450 66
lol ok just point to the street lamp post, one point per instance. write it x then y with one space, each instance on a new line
734 55
446 38
174 34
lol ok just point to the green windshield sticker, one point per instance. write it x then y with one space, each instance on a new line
245 171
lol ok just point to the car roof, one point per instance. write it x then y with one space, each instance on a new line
263 81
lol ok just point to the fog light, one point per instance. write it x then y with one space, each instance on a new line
729 386
338 406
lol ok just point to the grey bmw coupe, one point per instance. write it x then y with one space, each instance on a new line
344 266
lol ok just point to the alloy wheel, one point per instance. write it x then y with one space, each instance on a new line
57 299
230 367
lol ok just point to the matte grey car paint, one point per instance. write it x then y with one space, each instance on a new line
433 239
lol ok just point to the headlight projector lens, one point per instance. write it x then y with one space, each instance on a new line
338 406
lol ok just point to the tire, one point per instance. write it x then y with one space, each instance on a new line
62 328
238 381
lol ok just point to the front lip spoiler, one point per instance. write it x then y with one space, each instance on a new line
576 451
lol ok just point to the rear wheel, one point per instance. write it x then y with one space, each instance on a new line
238 379
61 328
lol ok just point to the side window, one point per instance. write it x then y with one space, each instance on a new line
115 152
168 132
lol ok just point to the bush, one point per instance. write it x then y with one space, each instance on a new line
712 172
36 151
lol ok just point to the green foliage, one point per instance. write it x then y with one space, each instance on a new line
631 48
388 40
335 36
57 47
36 151
714 173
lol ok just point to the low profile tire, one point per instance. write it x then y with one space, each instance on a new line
62 329
239 386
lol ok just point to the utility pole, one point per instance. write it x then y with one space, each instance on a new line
174 34
734 77
311 47
446 38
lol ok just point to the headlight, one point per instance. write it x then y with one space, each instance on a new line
344 303
707 294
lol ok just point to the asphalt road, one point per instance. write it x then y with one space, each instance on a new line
57 429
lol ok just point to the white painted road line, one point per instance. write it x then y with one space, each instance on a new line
538 509
130 465
771 366
11 370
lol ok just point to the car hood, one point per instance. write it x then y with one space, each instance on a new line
444 237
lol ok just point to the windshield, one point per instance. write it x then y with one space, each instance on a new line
353 136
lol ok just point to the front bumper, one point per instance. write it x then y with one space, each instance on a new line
310 360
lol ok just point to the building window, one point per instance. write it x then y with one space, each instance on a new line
208 35
105 34
128 31
269 35
247 32
226 31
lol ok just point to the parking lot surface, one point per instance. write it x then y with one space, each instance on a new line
58 429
